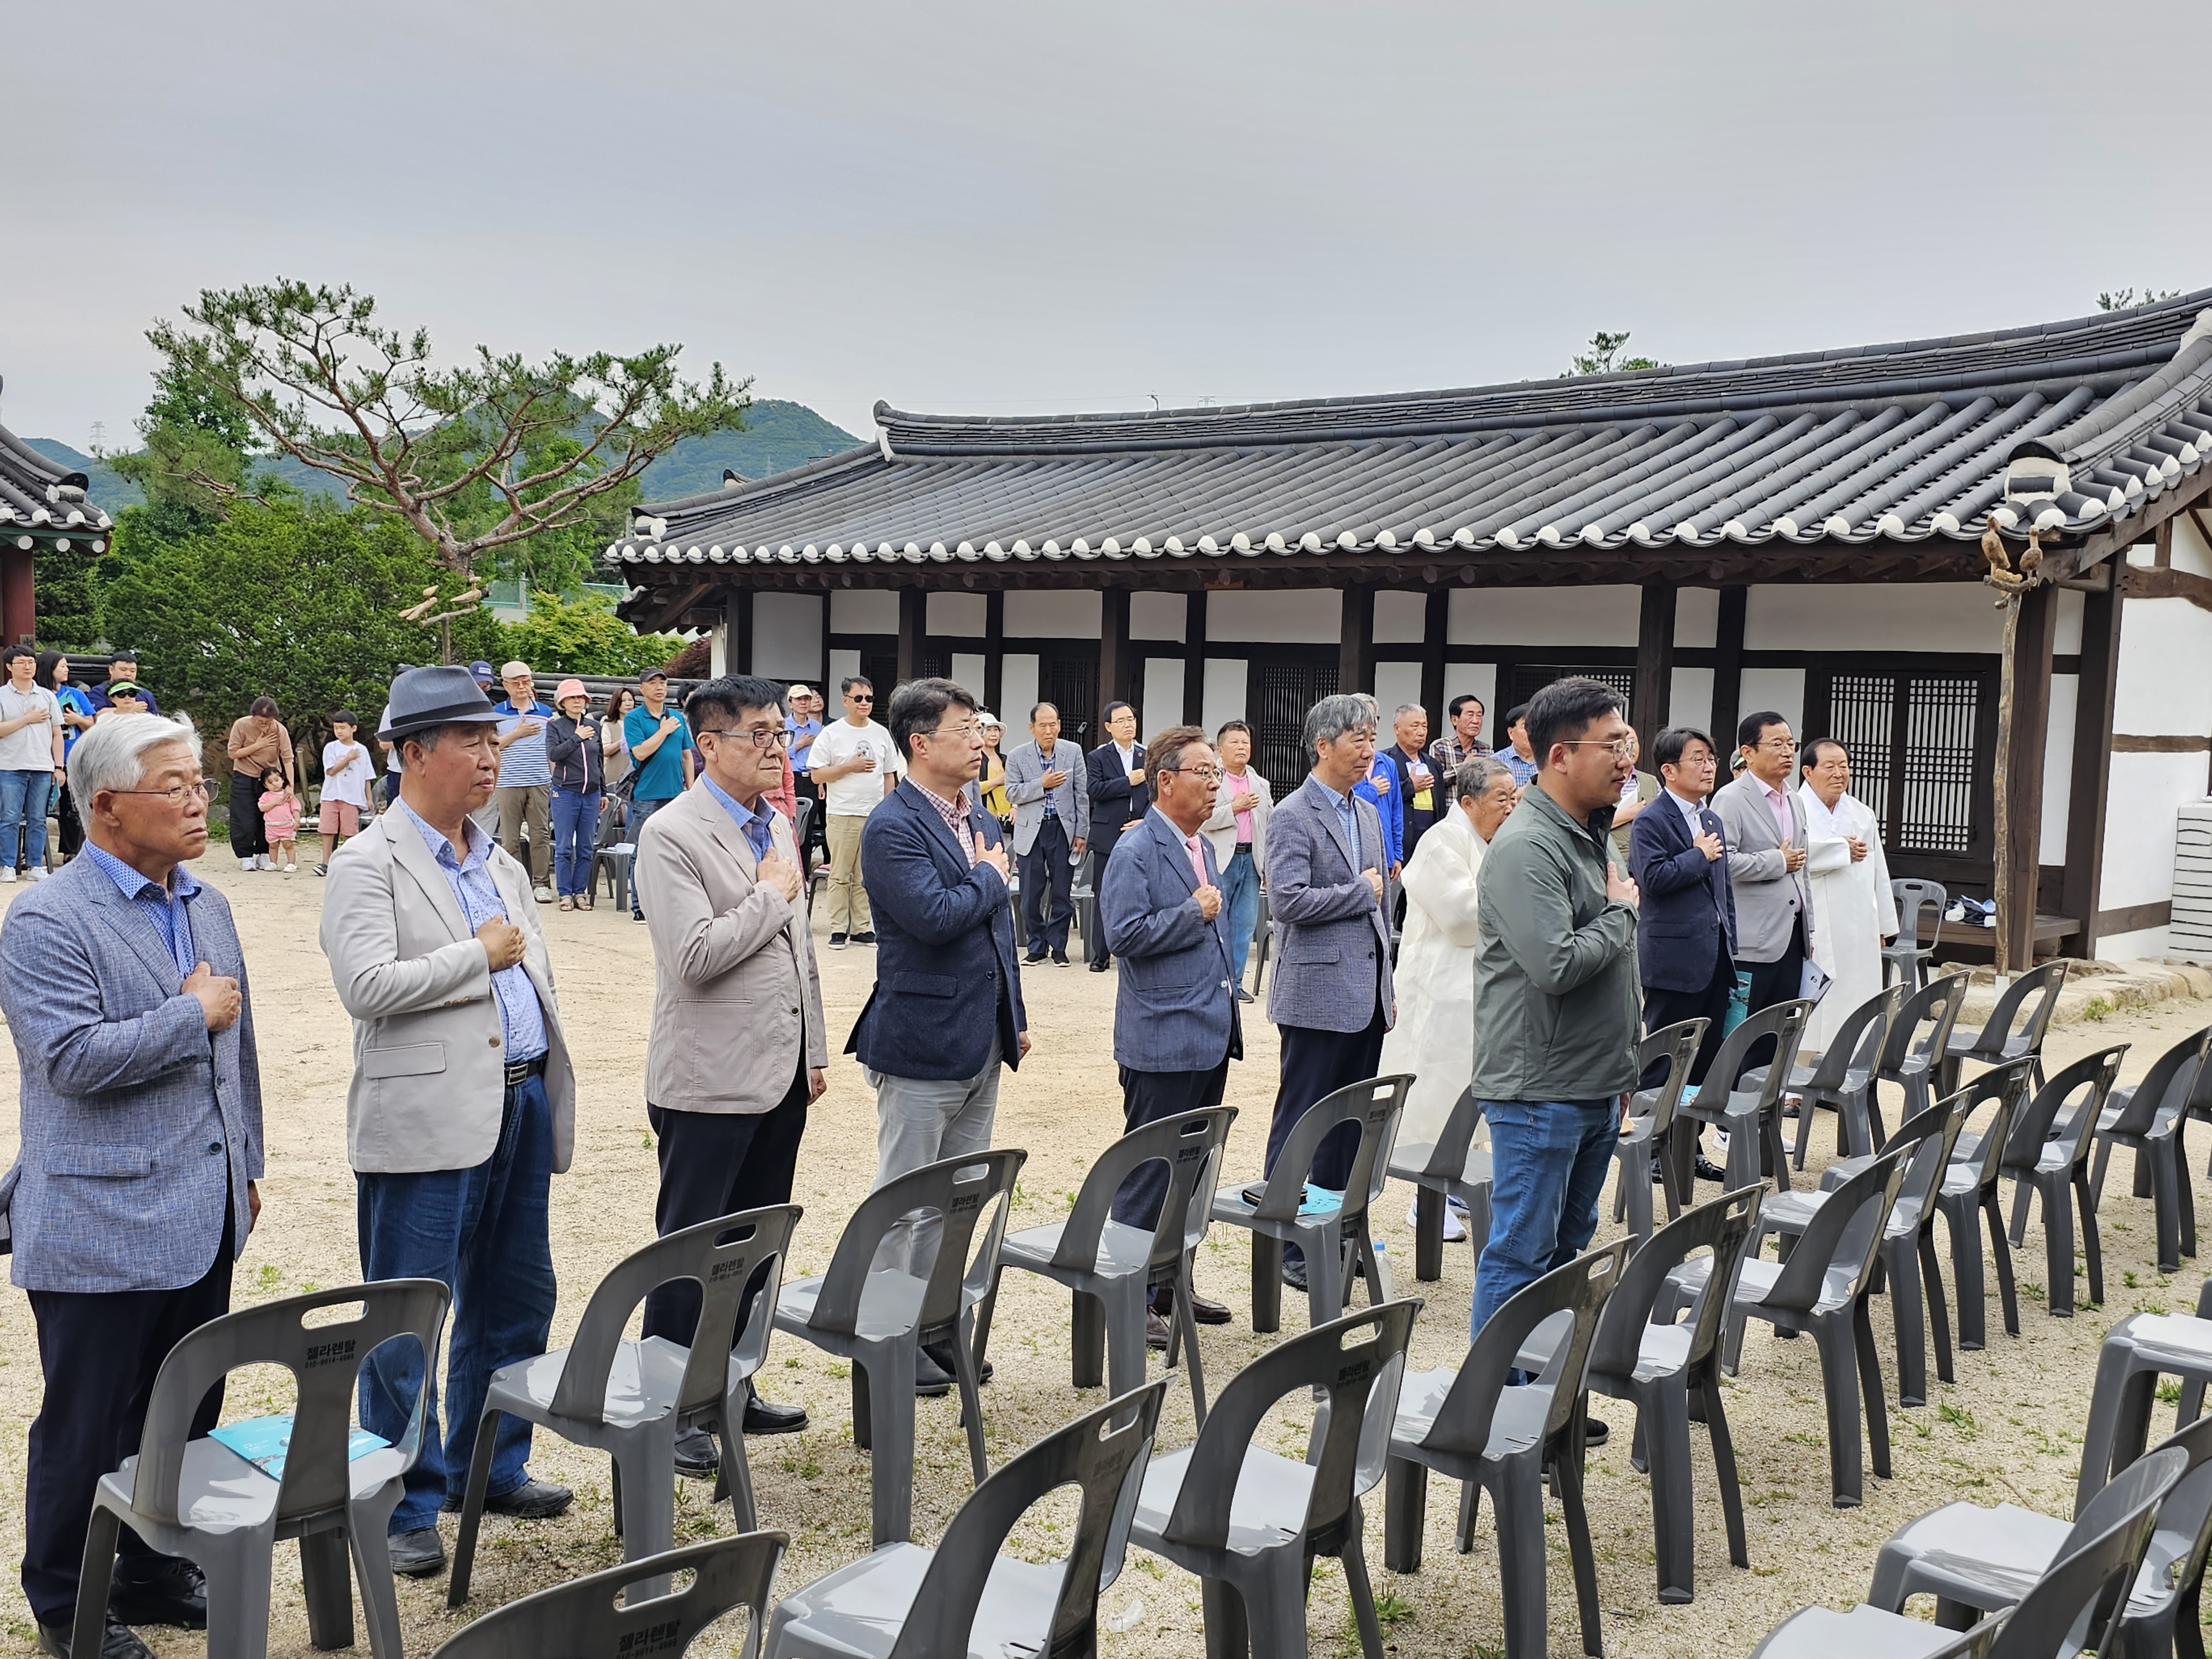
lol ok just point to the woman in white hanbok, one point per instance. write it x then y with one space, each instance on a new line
1850 887
1434 1036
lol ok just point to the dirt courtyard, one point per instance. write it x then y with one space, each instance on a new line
2009 1430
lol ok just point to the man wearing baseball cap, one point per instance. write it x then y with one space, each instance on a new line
659 745
462 1106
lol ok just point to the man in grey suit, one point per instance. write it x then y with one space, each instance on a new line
1052 823
1765 824
1175 1028
1331 998
125 989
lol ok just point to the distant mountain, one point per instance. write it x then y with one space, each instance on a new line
778 436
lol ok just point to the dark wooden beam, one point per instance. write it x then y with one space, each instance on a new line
2125 743
2136 528
2136 917
829 698
914 609
1727 667
737 641
1436 623
2089 788
1355 663
1116 678
994 651
19 595
1655 666
2170 583
2021 770
1193 659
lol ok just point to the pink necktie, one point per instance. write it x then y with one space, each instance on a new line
1197 859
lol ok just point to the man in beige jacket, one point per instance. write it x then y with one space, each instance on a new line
738 1052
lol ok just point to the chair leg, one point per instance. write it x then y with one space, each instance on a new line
1662 1417
95 1578
1359 1590
2091 1249
736 1472
2000 1257
2165 1206
1632 1183
890 1435
1939 1317
1966 1273
649 1500
1087 1329
237 1598
1428 1234
1805 1109
1724 1469
966 1384
1186 1333
472 1503
1877 1412
2059 1247
1567 1477
1228 1632
1267 1284
2179 1158
328 1590
1522 1564
2022 1189
1405 1513
1324 1273
1470 1511
368 1523
2103 1160
1909 1318
1839 1386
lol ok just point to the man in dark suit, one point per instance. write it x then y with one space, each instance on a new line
946 1011
1113 778
1409 755
1685 927
1175 1028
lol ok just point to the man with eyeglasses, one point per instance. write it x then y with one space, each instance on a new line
738 1052
1765 823
124 988
856 764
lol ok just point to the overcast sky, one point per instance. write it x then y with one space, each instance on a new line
1044 207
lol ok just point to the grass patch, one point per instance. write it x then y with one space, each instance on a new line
1959 1419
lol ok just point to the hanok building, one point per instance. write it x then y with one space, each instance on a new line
1799 533
42 505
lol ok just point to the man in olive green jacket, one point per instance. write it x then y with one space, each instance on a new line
1555 993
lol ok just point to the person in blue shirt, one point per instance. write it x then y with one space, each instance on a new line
661 753
77 716
1380 788
525 777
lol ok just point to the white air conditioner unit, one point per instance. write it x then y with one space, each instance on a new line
2189 935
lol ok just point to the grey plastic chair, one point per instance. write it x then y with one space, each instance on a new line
1824 1633
875 1317
1325 1227
1111 1269
1263 942
592 1617
1248 1522
611 856
1969 1202
964 1597
2141 1348
1473 1426
2048 1156
1975 1560
1843 1080
1918 1038
198 1499
2148 1116
1750 1112
2007 1034
1634 1356
1645 1142
1906 957
632 1398
1452 1166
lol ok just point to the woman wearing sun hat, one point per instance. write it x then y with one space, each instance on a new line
572 746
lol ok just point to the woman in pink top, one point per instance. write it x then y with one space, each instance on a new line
1239 833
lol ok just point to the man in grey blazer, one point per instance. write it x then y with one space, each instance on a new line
1766 825
1052 825
1175 1028
462 1105
1331 997
126 992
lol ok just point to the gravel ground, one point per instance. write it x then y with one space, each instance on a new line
2009 1430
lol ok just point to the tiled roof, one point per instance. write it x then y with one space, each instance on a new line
42 501
2094 418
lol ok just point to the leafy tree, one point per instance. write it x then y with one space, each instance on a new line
1600 358
472 458
195 450
586 637
2124 299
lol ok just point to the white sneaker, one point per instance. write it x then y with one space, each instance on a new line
1455 1228
38 872
543 895
263 861
291 869
8 874
248 864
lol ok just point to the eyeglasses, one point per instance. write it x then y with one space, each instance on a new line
964 731
1203 774
759 739
175 794
1783 747
1622 747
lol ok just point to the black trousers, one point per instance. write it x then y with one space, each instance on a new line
247 837
716 1163
1146 1098
1048 864
1317 1064
1779 981
99 1352
1663 1008
1094 942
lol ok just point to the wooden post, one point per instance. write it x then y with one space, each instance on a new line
1727 670
2090 785
1436 623
1355 664
1114 677
2023 724
1655 666
19 595
1194 660
914 609
994 654
737 635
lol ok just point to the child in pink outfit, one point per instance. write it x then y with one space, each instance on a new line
280 820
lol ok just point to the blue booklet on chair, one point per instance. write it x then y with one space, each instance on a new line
263 1441
1312 1200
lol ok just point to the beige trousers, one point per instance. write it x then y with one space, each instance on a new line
848 900
532 803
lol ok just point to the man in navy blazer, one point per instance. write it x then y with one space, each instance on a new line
1175 1027
946 1011
1685 927
1114 777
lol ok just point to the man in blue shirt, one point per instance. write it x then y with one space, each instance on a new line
525 777
660 751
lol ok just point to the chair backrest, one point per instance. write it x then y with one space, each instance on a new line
2187 1510
806 817
2063 1614
1922 1030
722 1257
589 1617
1861 1039
1374 1105
1910 898
1356 1362
2042 983
1448 1157
324 1360
2007 1086
1835 1255
2165 1089
1677 1045
2086 1082
1189 1145
1932 1135
1721 1225
1785 1022
961 1190
1102 1453
1579 1287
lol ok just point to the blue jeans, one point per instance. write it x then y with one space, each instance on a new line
1549 1161
576 828
23 816
640 811
483 1233
1240 898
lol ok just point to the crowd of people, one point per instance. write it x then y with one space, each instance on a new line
1532 957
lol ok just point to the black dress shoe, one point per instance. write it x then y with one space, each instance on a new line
176 1593
117 1641
416 1554
1294 1274
1034 957
1098 967
931 1380
1706 1170
1202 1311
1156 1329
866 937
698 1457
1243 995
939 1354
763 1418
533 1500
1594 1432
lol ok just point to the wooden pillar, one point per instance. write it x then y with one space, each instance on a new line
914 608
830 693
2023 727
738 632
1355 666
1436 623
1655 666
1194 660
1728 672
2090 787
994 653
19 605
1116 681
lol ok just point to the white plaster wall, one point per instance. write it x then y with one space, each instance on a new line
1163 704
1880 617
1698 617
864 611
962 615
1289 616
1158 617
841 664
787 635
2143 553
1018 688
2147 790
2149 944
1396 683
1401 618
1690 699
2189 551
1481 678
1226 679
1544 616
969 668
1056 615
2059 764
718 648
2165 682
1782 689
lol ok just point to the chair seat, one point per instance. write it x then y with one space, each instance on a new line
1757 1278
1990 1558
1516 1425
2054 1155
1267 1512
218 1491
1229 1206
1791 1211
1411 1162
860 1609
643 1382
1959 1179
890 1305
2179 1343
1122 1250
1824 1633
1661 1351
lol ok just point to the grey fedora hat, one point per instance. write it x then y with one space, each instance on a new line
424 697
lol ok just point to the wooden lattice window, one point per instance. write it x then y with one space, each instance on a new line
1524 680
1921 740
1281 694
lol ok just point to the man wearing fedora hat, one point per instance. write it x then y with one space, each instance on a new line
462 1102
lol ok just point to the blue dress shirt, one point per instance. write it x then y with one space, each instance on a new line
164 906
756 821
520 1020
